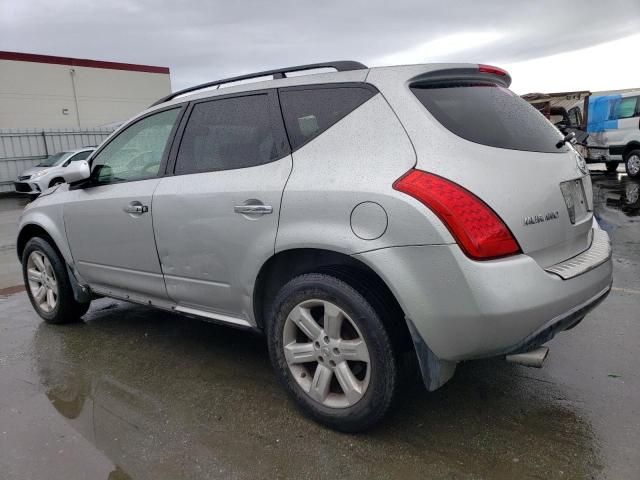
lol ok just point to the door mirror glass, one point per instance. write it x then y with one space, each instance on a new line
77 171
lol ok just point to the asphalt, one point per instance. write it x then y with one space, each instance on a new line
134 392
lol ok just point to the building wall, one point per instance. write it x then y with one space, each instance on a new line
35 95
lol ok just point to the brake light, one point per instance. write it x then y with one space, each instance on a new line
492 69
478 230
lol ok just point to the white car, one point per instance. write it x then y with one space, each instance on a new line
49 172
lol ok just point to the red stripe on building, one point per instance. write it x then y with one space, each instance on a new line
81 62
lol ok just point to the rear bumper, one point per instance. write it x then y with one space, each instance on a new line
464 309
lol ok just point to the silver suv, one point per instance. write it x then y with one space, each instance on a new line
358 218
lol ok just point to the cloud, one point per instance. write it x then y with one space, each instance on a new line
601 67
202 40
440 48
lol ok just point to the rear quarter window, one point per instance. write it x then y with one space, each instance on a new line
490 115
309 111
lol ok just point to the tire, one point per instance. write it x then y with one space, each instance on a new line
373 369
632 163
612 167
38 257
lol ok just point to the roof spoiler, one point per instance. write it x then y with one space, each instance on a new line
480 73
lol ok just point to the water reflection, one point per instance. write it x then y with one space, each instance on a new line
166 397
617 192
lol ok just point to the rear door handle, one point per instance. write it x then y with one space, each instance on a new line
253 209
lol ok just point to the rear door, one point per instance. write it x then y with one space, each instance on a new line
108 222
216 218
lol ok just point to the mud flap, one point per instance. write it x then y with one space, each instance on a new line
81 293
435 372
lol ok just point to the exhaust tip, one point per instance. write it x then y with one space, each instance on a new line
534 358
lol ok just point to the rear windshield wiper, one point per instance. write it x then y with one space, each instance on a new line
568 138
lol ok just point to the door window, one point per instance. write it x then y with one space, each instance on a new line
78 156
230 133
137 152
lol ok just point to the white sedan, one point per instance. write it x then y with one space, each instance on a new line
49 172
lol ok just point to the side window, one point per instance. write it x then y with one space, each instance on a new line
80 156
627 107
310 111
136 153
575 117
230 133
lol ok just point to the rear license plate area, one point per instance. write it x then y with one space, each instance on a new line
575 200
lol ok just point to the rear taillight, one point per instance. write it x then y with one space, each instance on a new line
492 69
481 234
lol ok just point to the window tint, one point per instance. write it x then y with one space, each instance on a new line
575 117
80 156
490 115
310 111
136 152
627 107
229 133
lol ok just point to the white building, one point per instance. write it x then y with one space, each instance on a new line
43 91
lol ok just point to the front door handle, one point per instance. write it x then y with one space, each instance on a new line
136 208
253 209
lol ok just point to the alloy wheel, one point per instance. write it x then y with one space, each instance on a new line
633 164
326 353
42 281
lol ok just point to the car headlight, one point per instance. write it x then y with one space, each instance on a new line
39 174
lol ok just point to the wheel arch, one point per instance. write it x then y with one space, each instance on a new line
53 180
287 264
30 230
629 147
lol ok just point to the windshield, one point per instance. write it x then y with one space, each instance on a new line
54 160
490 115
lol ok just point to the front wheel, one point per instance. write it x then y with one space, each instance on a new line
632 163
47 283
331 351
56 181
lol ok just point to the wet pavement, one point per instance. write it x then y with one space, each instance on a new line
139 393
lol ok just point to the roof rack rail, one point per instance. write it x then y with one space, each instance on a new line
340 66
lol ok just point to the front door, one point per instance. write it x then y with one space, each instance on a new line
216 218
108 222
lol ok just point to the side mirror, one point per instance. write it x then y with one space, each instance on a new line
76 171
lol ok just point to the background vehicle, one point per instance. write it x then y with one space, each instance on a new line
614 129
606 124
51 171
445 220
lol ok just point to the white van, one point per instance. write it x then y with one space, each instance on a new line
614 130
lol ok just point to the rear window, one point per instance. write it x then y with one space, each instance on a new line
490 115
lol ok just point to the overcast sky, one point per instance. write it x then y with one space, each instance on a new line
547 45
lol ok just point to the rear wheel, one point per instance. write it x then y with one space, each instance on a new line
332 352
47 282
632 163
612 167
